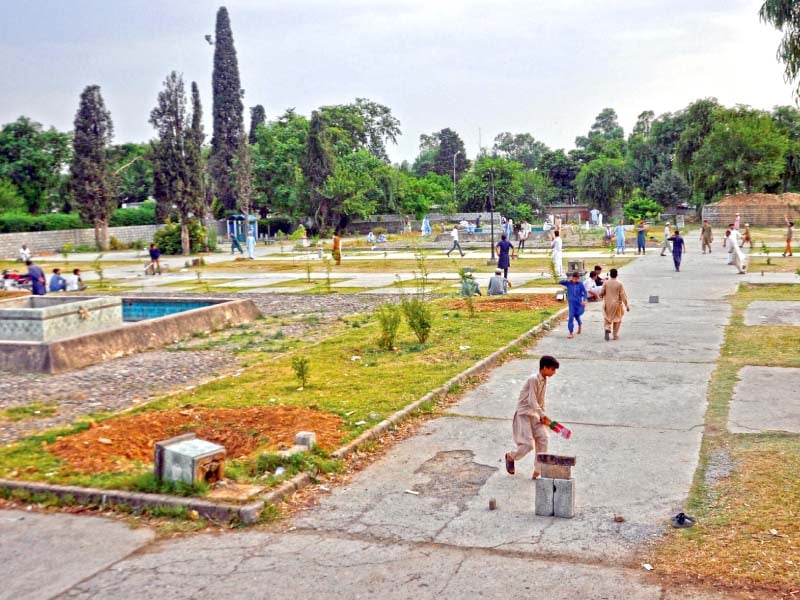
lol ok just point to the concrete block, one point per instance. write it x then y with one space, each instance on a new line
564 498
305 438
555 471
544 497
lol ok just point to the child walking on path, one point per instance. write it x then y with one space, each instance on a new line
529 426
577 297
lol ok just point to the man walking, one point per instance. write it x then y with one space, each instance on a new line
789 235
615 303
678 248
556 246
666 247
456 245
706 236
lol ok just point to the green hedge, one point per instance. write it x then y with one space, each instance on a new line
16 222
145 215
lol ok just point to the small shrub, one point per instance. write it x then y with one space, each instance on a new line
379 230
115 244
301 367
389 316
419 317
168 239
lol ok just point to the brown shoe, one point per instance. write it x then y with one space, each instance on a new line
509 464
536 475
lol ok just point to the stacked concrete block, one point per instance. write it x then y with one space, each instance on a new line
555 489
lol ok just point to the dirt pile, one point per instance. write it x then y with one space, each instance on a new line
759 200
517 302
114 444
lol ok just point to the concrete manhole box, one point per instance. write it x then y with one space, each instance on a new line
189 459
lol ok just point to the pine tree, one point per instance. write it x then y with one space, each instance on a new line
258 116
450 146
194 157
227 112
91 178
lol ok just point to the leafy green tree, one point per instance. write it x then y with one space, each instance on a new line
641 207
33 160
605 130
497 178
537 190
418 195
744 148
347 187
562 171
132 167
362 125
258 116
644 123
669 188
227 112
522 148
279 154
600 183
91 176
787 121
10 198
785 17
700 117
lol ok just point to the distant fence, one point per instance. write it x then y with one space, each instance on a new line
53 241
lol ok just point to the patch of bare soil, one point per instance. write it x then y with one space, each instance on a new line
760 199
516 302
110 445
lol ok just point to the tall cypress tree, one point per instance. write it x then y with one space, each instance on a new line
177 174
227 112
194 157
91 178
258 116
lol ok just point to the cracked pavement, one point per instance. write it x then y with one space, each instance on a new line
636 407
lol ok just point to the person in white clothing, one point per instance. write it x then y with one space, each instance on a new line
667 233
456 245
556 246
24 253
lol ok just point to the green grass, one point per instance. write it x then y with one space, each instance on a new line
731 545
348 376
34 410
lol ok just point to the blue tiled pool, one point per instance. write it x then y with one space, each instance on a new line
139 310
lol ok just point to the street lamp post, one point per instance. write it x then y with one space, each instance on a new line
454 177
491 210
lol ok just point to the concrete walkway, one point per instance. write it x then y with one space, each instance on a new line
636 408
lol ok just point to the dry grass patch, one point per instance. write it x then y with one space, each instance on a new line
746 492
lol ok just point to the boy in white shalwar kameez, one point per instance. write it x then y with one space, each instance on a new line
530 423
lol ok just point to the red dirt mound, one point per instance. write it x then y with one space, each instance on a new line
109 445
513 302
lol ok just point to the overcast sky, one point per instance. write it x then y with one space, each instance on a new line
546 67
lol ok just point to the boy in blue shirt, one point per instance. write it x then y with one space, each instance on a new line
576 296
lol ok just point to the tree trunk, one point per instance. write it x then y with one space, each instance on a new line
186 243
101 234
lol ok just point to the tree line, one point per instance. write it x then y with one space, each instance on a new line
332 165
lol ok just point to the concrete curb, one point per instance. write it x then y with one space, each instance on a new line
249 513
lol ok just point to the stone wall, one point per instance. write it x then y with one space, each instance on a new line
52 241
756 216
